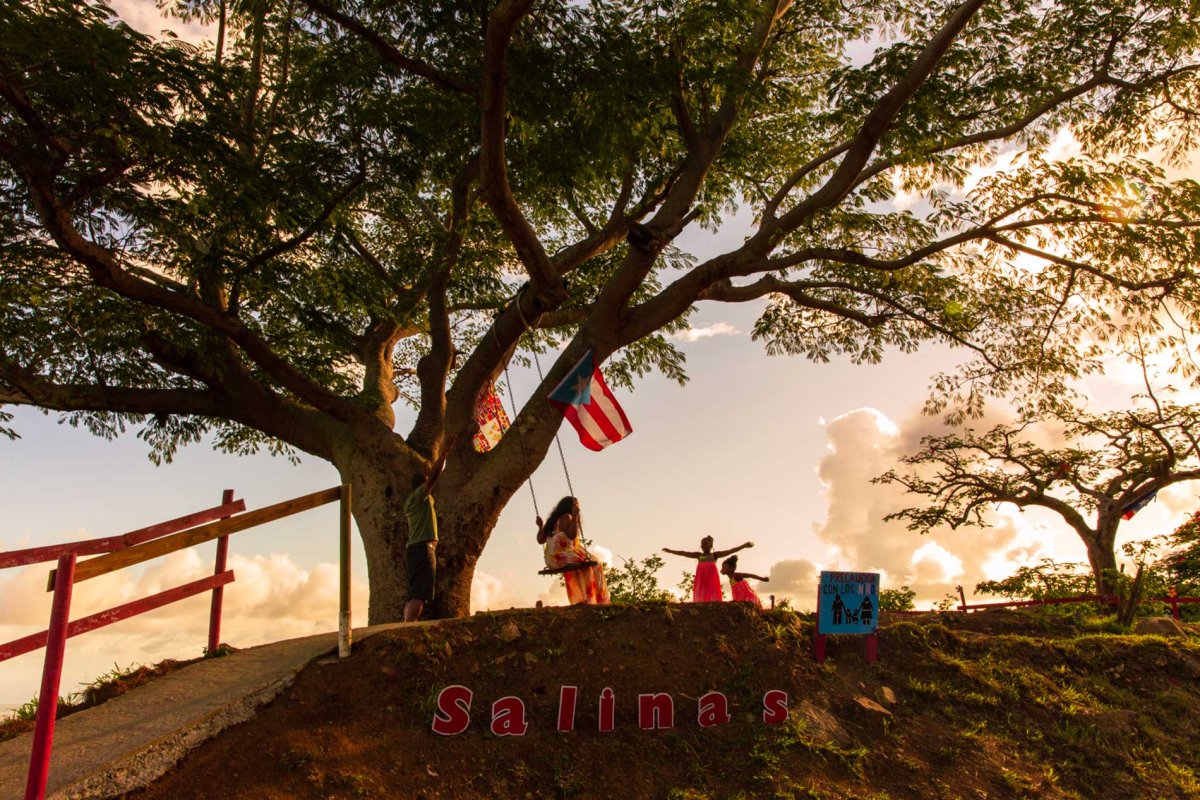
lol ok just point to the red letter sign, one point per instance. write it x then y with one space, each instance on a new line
656 711
775 708
453 713
566 707
607 710
508 717
714 710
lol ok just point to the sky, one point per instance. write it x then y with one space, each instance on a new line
775 450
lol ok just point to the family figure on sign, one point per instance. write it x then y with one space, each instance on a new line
566 555
862 615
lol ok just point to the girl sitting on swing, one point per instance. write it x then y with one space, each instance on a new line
563 548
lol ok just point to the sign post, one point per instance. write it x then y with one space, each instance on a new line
847 602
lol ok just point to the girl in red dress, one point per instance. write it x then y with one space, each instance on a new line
737 581
706 587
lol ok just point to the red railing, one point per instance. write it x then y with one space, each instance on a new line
117 552
1106 599
112 544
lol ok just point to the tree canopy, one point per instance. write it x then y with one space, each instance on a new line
338 205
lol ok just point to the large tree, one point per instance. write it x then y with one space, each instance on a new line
1103 469
339 205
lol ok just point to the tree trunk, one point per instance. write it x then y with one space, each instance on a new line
1103 562
379 488
467 511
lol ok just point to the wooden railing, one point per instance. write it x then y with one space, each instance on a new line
118 552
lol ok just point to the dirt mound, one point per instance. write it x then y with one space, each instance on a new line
956 707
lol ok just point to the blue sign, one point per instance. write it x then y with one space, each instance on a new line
848 602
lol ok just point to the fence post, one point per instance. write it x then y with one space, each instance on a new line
56 643
345 635
218 593
963 597
818 637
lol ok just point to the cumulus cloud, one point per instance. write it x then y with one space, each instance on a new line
864 444
271 598
556 595
602 554
488 593
795 579
696 334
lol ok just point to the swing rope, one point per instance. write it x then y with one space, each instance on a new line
512 401
541 379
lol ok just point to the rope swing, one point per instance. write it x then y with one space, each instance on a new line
512 401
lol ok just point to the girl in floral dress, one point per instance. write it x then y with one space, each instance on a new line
706 587
563 548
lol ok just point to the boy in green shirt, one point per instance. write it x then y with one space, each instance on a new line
420 555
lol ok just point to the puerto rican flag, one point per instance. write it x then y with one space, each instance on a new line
1137 505
586 401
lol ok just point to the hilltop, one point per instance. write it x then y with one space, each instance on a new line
990 705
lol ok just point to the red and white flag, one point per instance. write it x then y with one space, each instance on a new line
491 419
587 402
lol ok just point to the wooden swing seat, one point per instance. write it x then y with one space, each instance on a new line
568 568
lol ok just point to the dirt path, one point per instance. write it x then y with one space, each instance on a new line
133 739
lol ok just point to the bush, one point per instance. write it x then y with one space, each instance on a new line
1046 580
902 599
634 581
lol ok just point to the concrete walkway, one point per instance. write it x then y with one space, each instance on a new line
131 740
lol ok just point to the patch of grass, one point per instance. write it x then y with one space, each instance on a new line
1021 785
1095 623
777 740
1153 768
296 758
949 753
26 712
927 688
340 783
687 794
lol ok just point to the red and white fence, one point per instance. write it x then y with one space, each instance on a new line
118 552
1102 599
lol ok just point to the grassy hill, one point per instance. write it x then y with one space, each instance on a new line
990 705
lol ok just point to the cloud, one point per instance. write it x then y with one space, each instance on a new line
795 579
148 19
602 554
556 595
488 593
864 444
271 598
696 334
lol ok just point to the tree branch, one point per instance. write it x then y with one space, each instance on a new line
390 54
502 22
876 124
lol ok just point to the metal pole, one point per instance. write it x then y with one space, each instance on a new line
56 643
818 637
218 595
345 635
